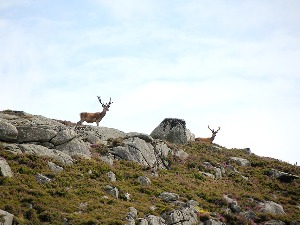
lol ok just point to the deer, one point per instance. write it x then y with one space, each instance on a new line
95 117
208 140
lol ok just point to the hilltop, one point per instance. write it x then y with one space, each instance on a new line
53 172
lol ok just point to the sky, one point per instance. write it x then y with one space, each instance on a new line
223 63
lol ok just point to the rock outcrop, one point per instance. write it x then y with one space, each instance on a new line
173 130
282 176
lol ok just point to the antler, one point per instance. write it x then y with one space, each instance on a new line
213 131
99 98
107 104
110 102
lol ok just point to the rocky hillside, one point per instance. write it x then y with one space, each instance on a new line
52 172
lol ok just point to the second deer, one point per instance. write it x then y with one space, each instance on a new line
208 140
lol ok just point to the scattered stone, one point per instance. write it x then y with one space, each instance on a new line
248 215
181 155
144 181
241 161
152 220
7 217
54 167
132 213
271 207
168 196
5 169
127 196
113 191
180 216
112 176
40 178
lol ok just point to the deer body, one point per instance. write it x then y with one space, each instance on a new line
208 140
94 117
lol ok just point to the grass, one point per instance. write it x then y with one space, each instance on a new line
78 196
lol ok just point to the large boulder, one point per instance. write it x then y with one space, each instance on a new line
8 132
172 130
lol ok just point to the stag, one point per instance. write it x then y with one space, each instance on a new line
97 116
208 140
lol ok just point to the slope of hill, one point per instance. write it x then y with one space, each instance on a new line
208 184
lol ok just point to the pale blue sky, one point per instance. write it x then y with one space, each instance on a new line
233 64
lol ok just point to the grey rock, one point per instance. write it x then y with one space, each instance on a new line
132 212
55 168
182 155
172 130
99 133
43 151
168 196
241 161
184 216
41 133
8 132
142 221
282 176
40 178
112 176
5 169
145 137
144 181
248 215
271 207
63 136
75 147
113 191
108 159
7 217
155 220
231 169
218 173
136 150
235 207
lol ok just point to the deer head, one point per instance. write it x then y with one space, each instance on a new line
105 106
